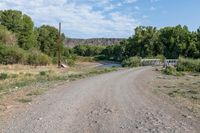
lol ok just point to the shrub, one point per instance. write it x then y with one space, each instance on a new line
68 52
191 65
88 50
3 76
101 57
37 58
7 37
86 59
43 73
171 71
12 55
70 62
131 62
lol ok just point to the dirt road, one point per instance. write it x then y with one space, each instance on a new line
117 102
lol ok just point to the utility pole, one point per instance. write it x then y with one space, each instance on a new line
59 45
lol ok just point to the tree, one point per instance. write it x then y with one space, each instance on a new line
145 42
20 24
47 40
7 37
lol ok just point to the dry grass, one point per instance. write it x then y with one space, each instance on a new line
21 76
183 89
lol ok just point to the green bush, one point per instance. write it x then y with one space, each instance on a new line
86 59
43 73
132 62
7 37
101 57
171 71
70 62
37 58
12 55
68 52
3 76
190 65
88 50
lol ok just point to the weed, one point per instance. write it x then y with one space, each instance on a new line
14 76
28 74
3 76
192 92
190 65
24 100
43 73
171 71
35 92
171 94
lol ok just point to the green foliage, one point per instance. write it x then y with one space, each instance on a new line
3 76
88 50
36 92
15 55
18 28
7 37
12 55
43 73
171 71
171 42
70 62
37 58
86 59
101 57
115 52
20 24
68 52
24 100
132 62
190 65
47 40
145 42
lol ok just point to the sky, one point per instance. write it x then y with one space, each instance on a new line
107 18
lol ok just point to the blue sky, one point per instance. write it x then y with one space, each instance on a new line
108 18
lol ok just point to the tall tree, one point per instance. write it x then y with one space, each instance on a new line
20 24
47 39
145 42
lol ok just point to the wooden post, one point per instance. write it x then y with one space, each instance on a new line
59 45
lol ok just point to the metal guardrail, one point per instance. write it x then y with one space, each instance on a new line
170 62
158 62
151 62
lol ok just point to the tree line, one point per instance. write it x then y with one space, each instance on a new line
20 40
147 42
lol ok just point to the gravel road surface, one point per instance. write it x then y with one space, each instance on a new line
117 102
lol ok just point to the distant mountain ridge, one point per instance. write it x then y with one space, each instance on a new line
71 42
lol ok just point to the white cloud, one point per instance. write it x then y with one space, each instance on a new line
144 16
78 20
152 8
137 8
130 1
154 1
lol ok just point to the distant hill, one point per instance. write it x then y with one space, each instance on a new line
70 42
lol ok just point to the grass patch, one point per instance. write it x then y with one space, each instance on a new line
43 73
189 65
32 77
171 71
3 76
35 92
24 100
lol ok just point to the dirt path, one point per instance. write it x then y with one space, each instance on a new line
109 103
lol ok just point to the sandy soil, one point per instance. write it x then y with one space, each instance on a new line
117 102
